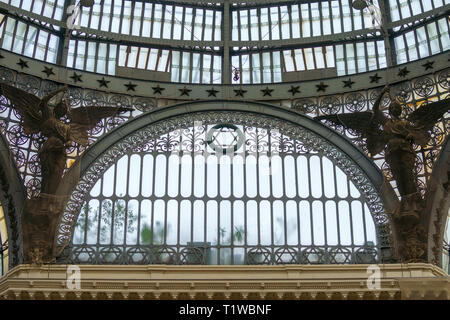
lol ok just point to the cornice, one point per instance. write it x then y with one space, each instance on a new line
398 281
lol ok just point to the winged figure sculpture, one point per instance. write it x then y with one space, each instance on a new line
395 136
38 116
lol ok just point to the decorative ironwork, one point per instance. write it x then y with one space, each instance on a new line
188 133
219 136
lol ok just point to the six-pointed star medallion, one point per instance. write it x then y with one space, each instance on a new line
428 65
48 71
267 92
321 87
103 82
212 92
294 90
76 77
23 64
375 78
185 91
348 83
130 86
403 72
239 92
158 89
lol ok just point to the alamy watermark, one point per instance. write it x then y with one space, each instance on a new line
374 280
210 150
74 17
73 280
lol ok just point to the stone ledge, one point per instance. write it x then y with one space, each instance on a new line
397 281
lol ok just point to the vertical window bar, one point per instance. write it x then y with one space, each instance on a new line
201 68
194 14
310 20
406 47
213 30
240 68
16 23
86 51
36 43
182 24
289 8
152 20
352 14
330 15
141 25
249 26
344 48
100 211
308 165
324 207
321 18
366 55
25 37
334 168
89 14
399 10
279 23
342 17
130 29
438 31
239 24
300 19
378 57
163 19
100 18
417 43
203 28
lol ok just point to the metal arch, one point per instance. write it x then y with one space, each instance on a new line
12 198
353 154
438 203
341 142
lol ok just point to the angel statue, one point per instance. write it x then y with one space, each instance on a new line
41 213
39 117
397 137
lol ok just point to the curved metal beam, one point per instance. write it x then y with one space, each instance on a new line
438 204
12 197
104 144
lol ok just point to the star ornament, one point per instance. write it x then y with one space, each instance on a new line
348 83
239 92
321 87
130 86
103 82
428 65
267 92
76 77
158 89
48 71
403 72
212 92
23 64
375 78
185 91
294 90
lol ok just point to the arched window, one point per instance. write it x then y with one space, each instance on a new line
221 188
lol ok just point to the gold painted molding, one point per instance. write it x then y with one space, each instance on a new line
397 281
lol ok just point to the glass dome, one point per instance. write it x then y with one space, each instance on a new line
225 42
